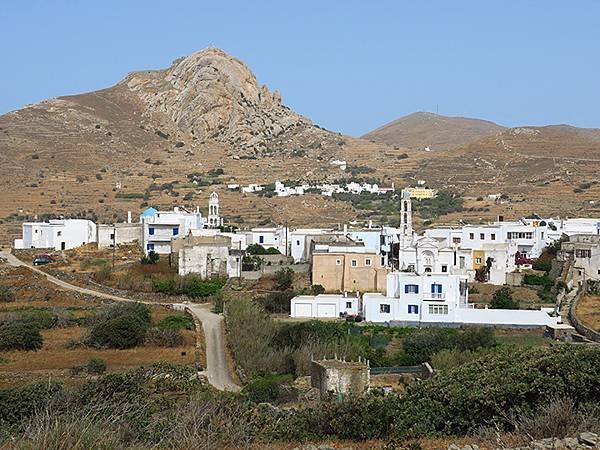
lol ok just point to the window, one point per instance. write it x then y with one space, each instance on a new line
471 236
456 240
175 231
427 269
461 262
482 236
353 263
261 239
151 231
368 262
519 235
112 236
348 305
413 309
384 308
444 269
59 233
297 242
493 236
583 253
478 261
383 261
35 231
438 309
411 288
150 247
338 262
436 290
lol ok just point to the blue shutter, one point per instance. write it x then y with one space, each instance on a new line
416 309
416 288
406 288
150 231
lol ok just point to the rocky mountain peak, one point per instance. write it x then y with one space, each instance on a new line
212 95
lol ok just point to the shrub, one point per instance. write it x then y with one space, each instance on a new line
177 322
6 294
39 318
163 337
257 249
120 326
284 278
484 390
502 299
262 388
537 280
20 335
317 289
278 302
103 273
152 258
96 366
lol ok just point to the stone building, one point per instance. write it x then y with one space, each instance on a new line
208 256
340 378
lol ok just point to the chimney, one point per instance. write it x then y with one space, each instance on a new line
345 229
128 216
370 224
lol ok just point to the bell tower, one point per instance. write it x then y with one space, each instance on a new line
213 211
406 230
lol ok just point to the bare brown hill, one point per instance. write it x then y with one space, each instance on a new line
552 169
169 137
424 129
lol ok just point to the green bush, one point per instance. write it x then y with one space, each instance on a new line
257 249
177 322
485 390
96 366
278 302
152 258
39 318
123 325
263 388
190 285
537 280
20 335
163 337
317 289
19 403
502 299
284 278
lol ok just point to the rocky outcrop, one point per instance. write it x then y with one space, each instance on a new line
585 440
212 95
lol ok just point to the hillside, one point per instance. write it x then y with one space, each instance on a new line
423 129
206 118
97 153
551 170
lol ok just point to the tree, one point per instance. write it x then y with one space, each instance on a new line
502 299
284 278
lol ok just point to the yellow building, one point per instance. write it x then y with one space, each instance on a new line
421 193
348 272
478 259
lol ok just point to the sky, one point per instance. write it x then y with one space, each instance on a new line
350 66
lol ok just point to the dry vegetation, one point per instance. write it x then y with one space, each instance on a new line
588 311
32 292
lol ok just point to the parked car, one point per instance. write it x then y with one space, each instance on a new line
42 259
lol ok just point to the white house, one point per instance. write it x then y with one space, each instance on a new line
159 227
276 237
443 300
60 234
323 306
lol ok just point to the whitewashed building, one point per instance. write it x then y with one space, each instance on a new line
443 300
60 234
324 306
160 227
269 237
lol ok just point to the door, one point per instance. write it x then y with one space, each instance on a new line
303 310
326 310
62 245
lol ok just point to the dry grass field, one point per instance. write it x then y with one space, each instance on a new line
588 312
56 358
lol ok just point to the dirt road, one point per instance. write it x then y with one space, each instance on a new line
217 369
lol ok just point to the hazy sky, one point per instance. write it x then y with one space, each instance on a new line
348 65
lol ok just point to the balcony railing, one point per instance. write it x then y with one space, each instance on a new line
435 296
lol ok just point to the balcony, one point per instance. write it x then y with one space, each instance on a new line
436 296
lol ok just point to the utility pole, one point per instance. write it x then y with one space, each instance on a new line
114 246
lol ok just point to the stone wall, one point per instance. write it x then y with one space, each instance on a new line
580 327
